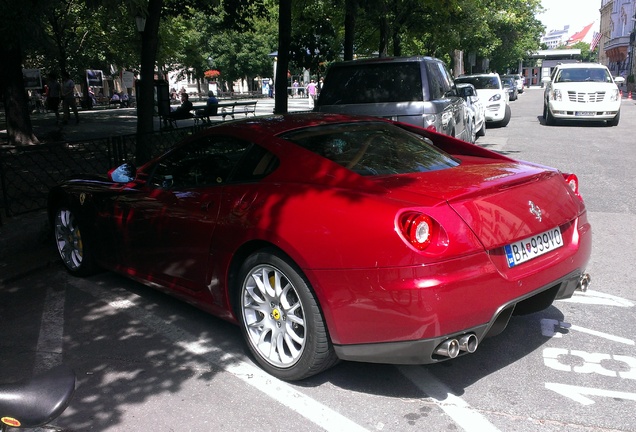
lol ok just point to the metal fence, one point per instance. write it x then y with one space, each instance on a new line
28 172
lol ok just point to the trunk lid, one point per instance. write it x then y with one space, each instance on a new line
501 202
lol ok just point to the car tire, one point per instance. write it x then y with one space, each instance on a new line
615 120
506 118
549 118
73 246
281 319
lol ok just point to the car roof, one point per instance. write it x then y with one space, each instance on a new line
581 66
380 60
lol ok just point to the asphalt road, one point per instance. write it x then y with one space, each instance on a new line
148 362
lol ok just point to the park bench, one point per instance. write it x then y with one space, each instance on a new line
225 109
163 109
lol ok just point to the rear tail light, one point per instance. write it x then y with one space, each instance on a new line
417 229
573 182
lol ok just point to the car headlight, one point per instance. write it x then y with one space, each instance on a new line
615 95
556 95
495 98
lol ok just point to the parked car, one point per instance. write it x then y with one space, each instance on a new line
492 92
520 80
328 237
581 91
477 110
414 90
511 86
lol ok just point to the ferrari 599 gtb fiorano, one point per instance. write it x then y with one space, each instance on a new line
327 237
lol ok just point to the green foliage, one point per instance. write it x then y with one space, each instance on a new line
237 36
315 37
586 54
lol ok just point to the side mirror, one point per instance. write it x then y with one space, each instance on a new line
465 91
124 173
619 80
545 80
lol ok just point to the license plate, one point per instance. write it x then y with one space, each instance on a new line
532 247
585 113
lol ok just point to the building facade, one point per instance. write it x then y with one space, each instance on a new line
607 7
619 49
556 38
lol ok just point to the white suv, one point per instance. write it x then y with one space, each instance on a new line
493 94
581 91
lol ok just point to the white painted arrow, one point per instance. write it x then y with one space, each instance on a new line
578 394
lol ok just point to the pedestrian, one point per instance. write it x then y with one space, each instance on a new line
295 88
181 112
115 100
312 92
68 98
53 94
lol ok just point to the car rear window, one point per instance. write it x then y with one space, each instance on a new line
373 149
372 83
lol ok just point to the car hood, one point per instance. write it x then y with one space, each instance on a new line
585 87
495 199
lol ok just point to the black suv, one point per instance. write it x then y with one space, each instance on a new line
415 90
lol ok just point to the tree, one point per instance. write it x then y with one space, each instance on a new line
14 25
284 45
586 54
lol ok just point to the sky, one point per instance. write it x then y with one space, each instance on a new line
576 13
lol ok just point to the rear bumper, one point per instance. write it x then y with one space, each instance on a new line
400 314
423 351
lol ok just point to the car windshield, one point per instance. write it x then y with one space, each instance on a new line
480 82
373 149
595 74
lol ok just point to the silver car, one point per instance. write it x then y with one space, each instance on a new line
415 90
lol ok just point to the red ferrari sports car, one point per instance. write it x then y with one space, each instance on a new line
330 237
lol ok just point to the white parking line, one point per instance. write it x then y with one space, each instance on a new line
456 408
597 298
278 390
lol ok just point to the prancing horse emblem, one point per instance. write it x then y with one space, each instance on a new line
535 210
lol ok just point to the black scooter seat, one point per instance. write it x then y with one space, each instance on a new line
35 402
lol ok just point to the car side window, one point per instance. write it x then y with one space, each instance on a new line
439 80
207 161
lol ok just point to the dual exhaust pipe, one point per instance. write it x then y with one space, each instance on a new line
468 343
584 282
452 347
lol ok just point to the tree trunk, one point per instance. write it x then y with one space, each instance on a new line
383 49
146 96
284 42
397 43
350 28
19 127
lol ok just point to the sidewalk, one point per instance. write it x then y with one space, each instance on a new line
26 241
106 122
